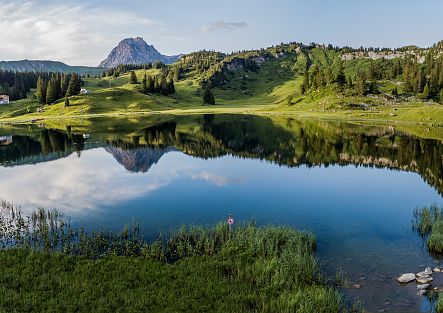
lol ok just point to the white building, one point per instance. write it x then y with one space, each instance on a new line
4 99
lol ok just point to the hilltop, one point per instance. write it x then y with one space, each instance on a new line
135 51
47 66
385 85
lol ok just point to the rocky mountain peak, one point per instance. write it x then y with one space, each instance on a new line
135 51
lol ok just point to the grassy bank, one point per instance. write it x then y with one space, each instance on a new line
57 268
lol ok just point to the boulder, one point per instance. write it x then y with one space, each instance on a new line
423 286
437 269
422 275
428 271
424 280
406 278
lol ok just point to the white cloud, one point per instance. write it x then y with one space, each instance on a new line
75 34
215 179
95 181
76 186
222 25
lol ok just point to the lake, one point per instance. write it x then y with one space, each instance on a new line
354 186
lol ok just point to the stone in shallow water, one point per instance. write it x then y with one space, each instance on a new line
424 280
423 286
406 278
422 274
428 271
421 293
437 270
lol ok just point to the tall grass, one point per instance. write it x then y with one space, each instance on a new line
263 269
428 223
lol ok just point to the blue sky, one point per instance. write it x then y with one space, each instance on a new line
82 32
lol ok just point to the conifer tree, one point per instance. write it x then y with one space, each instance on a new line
360 84
305 84
66 101
144 85
41 90
64 82
163 85
171 87
373 88
133 78
150 85
425 93
208 96
340 78
51 92
74 85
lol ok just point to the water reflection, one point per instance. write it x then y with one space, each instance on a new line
165 171
285 142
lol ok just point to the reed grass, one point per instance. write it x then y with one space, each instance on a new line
428 223
49 266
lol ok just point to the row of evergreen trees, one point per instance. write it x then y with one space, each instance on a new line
58 86
154 84
125 68
18 84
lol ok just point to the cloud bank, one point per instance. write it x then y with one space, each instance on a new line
75 34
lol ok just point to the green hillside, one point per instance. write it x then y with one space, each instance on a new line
402 85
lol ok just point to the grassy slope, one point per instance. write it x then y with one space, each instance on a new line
255 270
271 90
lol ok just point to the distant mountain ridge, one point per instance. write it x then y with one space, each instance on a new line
135 51
47 66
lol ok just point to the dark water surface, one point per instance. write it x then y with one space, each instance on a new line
355 187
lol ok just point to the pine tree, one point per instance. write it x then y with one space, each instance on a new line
163 86
133 78
305 84
171 87
156 84
441 96
64 82
74 85
360 84
208 97
51 92
144 85
341 77
66 101
394 92
425 93
373 88
41 90
150 85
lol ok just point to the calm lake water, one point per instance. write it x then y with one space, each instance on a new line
354 186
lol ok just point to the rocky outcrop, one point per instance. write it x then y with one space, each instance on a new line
388 55
135 51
